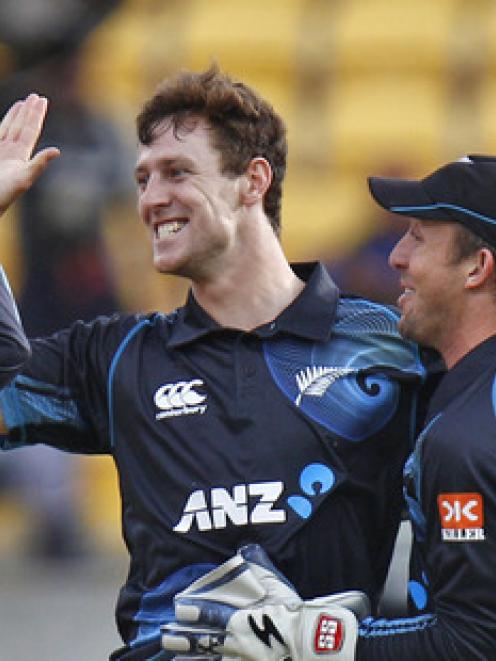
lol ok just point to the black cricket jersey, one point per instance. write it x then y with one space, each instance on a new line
14 345
450 487
292 436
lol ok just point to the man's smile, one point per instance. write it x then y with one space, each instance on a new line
165 229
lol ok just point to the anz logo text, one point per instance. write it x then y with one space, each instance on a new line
255 503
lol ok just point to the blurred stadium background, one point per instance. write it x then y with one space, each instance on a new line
366 87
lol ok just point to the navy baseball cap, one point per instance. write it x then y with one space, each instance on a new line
463 191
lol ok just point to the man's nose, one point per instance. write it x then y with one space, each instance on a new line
397 256
157 193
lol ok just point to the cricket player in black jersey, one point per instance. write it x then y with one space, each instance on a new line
268 409
447 265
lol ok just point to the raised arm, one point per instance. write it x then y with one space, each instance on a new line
19 132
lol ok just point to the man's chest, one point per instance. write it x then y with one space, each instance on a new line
231 429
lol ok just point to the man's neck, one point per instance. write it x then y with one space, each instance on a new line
251 294
476 325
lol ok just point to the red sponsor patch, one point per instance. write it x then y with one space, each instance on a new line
329 634
459 511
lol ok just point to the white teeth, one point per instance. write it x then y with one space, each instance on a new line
167 229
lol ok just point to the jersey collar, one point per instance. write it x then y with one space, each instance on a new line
309 316
466 370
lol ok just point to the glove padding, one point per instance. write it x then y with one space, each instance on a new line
246 610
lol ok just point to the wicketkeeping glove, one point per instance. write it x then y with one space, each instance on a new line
245 610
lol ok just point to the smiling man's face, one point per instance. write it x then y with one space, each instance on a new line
431 280
188 205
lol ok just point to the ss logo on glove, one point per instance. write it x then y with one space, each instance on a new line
328 634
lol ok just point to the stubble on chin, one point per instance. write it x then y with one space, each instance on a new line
419 333
406 329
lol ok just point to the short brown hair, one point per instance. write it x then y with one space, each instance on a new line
244 124
466 243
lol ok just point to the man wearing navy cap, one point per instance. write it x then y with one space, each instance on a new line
447 265
446 261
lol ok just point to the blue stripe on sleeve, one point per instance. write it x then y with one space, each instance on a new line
372 628
113 366
29 402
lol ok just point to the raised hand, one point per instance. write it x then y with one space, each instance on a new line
19 132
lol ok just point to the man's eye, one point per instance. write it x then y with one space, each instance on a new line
178 172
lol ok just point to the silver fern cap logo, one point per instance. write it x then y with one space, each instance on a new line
314 381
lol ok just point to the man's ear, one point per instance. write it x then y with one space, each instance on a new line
257 179
481 268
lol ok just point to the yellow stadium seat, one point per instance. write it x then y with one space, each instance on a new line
487 118
101 508
259 35
323 215
386 35
111 61
379 119
130 52
487 33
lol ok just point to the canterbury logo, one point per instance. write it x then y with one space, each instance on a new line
314 381
181 398
269 629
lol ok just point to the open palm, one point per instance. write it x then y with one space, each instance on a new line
19 133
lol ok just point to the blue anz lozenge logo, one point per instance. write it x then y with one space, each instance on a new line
315 480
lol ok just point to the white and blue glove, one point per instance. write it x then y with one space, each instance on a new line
246 610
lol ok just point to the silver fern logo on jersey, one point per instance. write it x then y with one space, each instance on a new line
314 381
180 398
